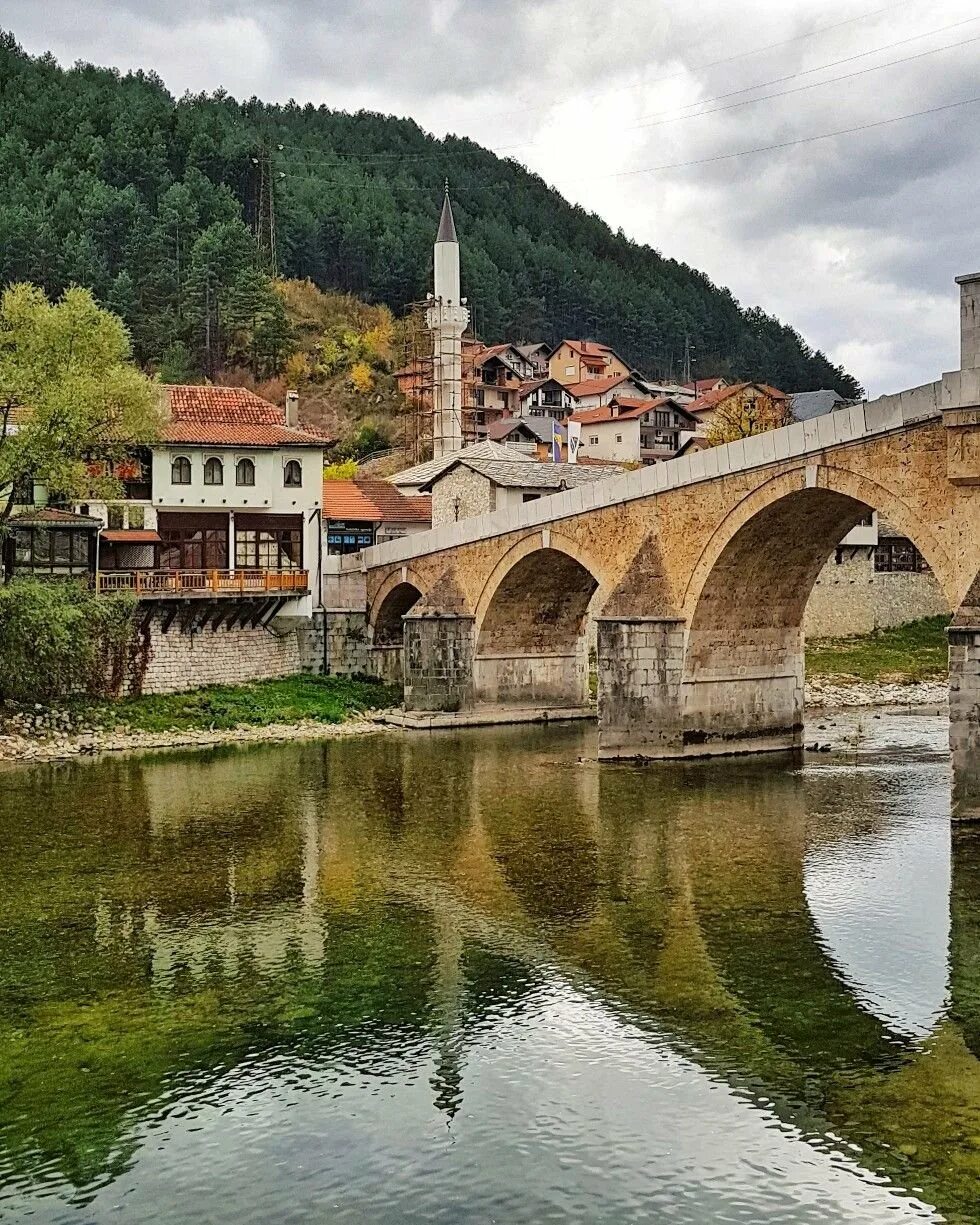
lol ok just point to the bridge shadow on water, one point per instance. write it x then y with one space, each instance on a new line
806 932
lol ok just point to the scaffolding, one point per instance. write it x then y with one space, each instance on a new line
416 375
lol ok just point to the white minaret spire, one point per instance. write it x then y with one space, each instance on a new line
447 318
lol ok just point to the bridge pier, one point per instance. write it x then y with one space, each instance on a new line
964 719
655 702
641 662
438 662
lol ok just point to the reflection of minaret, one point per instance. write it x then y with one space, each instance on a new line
447 318
448 990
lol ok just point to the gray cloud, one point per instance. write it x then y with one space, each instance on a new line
854 240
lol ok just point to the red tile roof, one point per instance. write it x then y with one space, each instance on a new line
232 434
374 501
52 514
628 410
699 386
231 404
395 507
131 536
711 399
595 387
232 416
343 500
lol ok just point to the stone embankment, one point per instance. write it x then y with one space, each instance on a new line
828 693
59 745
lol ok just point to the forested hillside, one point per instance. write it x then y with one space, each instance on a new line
177 213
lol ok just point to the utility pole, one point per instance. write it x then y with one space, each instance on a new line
688 357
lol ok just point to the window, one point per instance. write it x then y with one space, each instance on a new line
349 537
180 471
115 518
619 438
52 551
137 518
214 471
245 472
194 548
293 474
530 497
272 548
594 440
896 554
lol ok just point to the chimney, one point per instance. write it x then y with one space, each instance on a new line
969 321
292 408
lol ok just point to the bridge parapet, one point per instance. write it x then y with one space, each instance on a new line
865 421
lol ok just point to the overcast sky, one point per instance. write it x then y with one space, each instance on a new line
855 239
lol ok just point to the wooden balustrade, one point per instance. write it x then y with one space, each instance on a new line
148 584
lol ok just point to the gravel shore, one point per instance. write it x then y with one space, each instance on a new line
60 746
823 693
53 744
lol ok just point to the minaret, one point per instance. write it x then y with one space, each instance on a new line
447 318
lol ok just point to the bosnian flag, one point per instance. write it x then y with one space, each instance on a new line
555 440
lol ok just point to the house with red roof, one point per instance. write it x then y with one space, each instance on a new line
578 361
364 511
633 430
226 501
753 400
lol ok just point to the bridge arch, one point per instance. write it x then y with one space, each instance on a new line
743 667
531 646
824 487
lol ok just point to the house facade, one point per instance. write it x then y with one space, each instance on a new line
632 431
579 361
473 486
753 400
546 398
229 498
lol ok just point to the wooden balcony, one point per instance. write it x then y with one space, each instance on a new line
205 584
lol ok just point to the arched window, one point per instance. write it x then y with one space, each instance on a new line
293 473
245 472
180 471
214 472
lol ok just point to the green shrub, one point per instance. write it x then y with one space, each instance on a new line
59 638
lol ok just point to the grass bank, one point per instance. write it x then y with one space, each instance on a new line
908 654
292 699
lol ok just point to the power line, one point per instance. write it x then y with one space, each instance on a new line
730 59
416 157
799 89
786 144
810 71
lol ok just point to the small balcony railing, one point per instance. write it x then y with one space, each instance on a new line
148 584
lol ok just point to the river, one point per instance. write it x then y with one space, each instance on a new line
477 977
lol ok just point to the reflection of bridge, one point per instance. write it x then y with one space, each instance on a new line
697 571
684 906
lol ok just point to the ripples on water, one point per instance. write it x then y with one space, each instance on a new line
478 978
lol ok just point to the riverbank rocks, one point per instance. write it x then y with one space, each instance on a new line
828 693
60 746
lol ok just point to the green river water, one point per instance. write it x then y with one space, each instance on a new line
476 977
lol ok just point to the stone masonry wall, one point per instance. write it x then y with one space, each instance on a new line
438 663
475 494
851 598
177 661
346 651
964 719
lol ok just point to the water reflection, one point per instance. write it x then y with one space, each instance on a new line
460 977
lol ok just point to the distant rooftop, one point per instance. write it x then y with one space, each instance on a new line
434 467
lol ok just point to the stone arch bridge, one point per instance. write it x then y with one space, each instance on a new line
696 572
